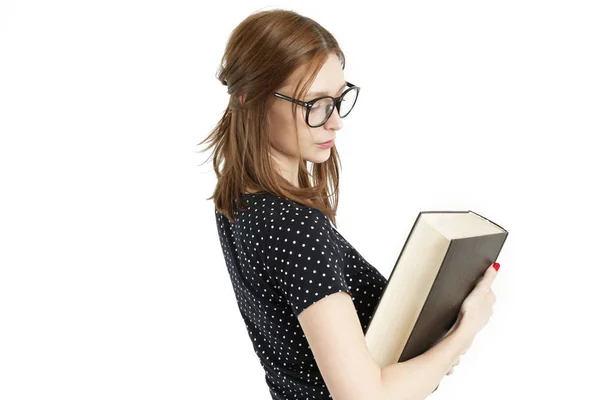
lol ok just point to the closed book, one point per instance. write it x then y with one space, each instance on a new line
441 261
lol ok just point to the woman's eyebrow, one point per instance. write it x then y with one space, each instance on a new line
324 93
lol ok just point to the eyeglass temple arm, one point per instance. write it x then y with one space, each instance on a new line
283 96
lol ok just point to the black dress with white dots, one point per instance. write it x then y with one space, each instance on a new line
283 256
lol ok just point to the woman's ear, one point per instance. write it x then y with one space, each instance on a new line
242 99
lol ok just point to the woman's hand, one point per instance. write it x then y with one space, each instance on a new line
477 308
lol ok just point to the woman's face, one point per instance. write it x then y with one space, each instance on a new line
329 81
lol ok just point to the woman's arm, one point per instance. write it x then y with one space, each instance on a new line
417 378
336 339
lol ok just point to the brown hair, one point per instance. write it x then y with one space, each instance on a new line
261 54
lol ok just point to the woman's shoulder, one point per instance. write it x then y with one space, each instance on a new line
267 199
284 212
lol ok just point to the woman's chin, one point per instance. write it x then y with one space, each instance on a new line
319 156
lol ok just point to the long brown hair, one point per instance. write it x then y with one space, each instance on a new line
261 54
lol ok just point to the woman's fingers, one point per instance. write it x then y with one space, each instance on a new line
452 369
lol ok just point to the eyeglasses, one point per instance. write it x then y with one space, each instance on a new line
320 109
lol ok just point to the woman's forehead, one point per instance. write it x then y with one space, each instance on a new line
328 81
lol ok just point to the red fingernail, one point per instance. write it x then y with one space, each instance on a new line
496 266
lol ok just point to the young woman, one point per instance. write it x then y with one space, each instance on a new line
306 295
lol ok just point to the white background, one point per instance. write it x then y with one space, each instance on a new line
112 280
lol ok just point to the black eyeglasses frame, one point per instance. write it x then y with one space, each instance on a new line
336 100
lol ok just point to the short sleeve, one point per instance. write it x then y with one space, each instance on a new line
302 258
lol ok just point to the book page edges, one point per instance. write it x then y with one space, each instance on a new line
406 292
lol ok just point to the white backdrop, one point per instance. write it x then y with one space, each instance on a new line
112 280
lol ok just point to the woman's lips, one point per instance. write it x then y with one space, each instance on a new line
326 145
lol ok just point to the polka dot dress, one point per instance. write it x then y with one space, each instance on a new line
282 257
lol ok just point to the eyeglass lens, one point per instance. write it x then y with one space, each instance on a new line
322 109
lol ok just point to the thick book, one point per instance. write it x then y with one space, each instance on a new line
443 258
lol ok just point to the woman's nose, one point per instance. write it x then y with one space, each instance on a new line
334 121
